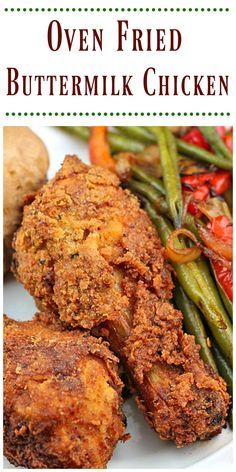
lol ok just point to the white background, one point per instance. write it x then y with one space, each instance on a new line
206 41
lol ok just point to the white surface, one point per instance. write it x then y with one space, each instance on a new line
145 449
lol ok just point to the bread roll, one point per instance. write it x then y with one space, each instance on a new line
25 164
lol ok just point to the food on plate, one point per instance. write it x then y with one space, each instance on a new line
198 214
25 164
87 252
145 160
62 397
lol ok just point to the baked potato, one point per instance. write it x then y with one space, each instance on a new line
25 164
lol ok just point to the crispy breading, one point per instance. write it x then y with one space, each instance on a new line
62 397
89 253
80 226
184 399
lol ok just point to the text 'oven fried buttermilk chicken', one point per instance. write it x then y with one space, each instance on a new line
62 397
87 252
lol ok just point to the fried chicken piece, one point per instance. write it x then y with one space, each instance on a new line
89 253
62 397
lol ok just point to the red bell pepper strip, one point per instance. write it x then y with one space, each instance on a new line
196 138
196 180
202 184
222 228
193 208
221 131
228 139
226 136
221 181
201 193
225 278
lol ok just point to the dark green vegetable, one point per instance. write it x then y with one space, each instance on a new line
194 285
147 178
149 192
170 172
144 134
189 223
195 277
210 281
117 142
193 324
214 286
144 189
223 367
203 265
138 132
81 132
201 154
217 144
226 373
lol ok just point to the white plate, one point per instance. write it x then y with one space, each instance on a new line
145 449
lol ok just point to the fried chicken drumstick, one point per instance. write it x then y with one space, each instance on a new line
88 252
62 397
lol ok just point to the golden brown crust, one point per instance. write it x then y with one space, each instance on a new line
87 251
184 399
62 397
80 226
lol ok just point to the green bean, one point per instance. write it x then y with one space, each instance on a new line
208 296
120 143
209 281
117 142
192 285
171 177
189 223
212 284
144 189
145 135
223 367
201 154
226 301
147 178
149 192
225 372
211 304
193 324
143 176
217 144
192 282
138 132
171 144
81 132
